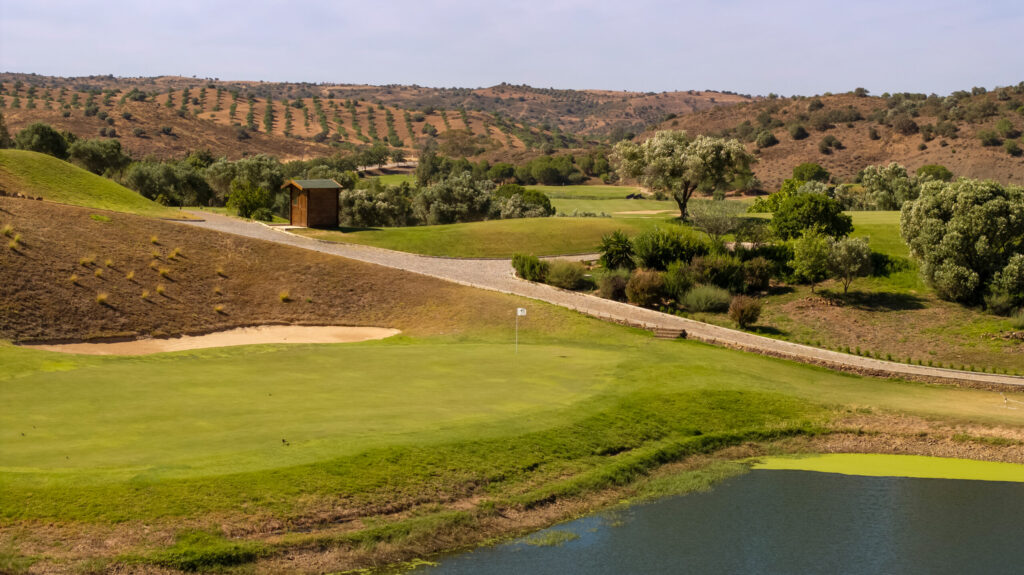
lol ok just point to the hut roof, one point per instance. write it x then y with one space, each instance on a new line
312 184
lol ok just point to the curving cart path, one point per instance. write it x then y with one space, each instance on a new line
497 275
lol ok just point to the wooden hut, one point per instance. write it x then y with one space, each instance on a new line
314 203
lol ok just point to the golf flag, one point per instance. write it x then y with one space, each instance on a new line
520 311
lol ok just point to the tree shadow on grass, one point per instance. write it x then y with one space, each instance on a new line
767 330
879 301
348 229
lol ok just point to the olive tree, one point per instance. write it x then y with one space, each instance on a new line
810 257
672 162
889 187
963 233
849 259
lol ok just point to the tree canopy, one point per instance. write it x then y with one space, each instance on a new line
672 162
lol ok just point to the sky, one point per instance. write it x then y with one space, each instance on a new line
745 46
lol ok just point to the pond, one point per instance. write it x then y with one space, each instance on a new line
783 521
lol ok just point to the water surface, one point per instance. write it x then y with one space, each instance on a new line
785 521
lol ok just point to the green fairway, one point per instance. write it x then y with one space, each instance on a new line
587 192
101 437
885 465
38 174
395 179
613 206
494 238
883 231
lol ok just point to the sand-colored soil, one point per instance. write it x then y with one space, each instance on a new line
239 336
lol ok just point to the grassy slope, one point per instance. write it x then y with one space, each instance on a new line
36 174
495 238
438 402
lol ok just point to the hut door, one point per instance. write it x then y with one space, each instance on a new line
299 209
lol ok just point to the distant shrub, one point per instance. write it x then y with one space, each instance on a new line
724 271
810 171
815 104
1006 128
166 130
645 287
1017 321
828 143
138 132
766 139
612 284
905 125
989 138
798 132
678 280
565 275
616 251
1013 149
744 310
703 298
757 274
873 133
935 172
530 268
658 247
263 214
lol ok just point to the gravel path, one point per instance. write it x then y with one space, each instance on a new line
497 275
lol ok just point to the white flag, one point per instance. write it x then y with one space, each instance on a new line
520 311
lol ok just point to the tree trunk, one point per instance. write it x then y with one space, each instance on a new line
682 197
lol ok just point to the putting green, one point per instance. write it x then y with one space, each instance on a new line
884 465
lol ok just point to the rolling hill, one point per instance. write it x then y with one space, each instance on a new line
41 176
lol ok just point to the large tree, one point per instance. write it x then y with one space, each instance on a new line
963 234
672 162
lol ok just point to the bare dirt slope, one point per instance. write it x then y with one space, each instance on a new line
243 278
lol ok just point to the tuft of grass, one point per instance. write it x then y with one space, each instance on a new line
108 262
102 297
217 290
155 254
160 289
130 276
145 294
220 272
176 252
98 218
86 261
98 273
73 279
204 551
7 230
154 240
164 272
13 244
550 538
284 296
219 309
154 264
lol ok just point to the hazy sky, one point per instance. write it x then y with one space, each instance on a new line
748 46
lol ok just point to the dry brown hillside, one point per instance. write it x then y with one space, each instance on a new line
307 120
940 131
67 256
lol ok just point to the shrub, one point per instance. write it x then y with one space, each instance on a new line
707 299
658 247
798 132
989 138
645 287
724 271
873 133
1017 321
39 137
678 280
616 251
565 275
1013 149
757 274
905 125
810 257
935 172
744 310
766 139
810 171
804 211
530 268
612 284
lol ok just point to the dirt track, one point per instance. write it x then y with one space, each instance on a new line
497 275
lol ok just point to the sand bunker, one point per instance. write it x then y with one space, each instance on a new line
238 336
